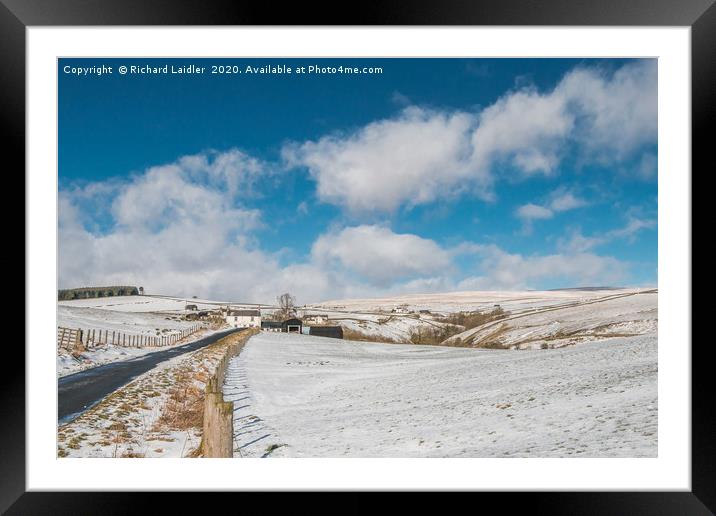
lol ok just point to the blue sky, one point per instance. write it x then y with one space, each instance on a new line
434 175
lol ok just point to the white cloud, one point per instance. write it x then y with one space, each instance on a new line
186 236
633 226
576 242
529 212
197 189
561 200
614 115
380 255
565 201
505 271
177 229
414 158
423 155
232 170
524 127
173 231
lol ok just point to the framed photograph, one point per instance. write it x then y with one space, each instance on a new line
442 248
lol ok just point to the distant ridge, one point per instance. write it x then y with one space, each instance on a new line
584 288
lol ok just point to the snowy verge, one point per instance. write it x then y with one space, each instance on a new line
159 414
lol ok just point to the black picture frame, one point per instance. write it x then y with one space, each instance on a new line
700 15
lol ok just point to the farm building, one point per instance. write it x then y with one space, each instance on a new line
291 326
243 318
297 326
198 315
334 332
271 326
316 319
191 307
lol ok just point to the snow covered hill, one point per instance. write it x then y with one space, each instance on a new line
616 315
477 300
302 396
533 318
131 323
139 304
130 315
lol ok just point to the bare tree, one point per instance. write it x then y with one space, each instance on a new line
287 305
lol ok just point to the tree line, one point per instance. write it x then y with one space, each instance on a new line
92 292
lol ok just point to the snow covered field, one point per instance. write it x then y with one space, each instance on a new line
141 303
131 323
131 315
302 396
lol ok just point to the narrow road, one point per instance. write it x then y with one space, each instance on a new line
79 391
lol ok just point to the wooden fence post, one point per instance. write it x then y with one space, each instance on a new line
77 346
218 438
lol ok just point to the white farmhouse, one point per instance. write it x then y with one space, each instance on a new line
316 319
243 318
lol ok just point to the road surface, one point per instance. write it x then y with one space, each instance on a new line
78 392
